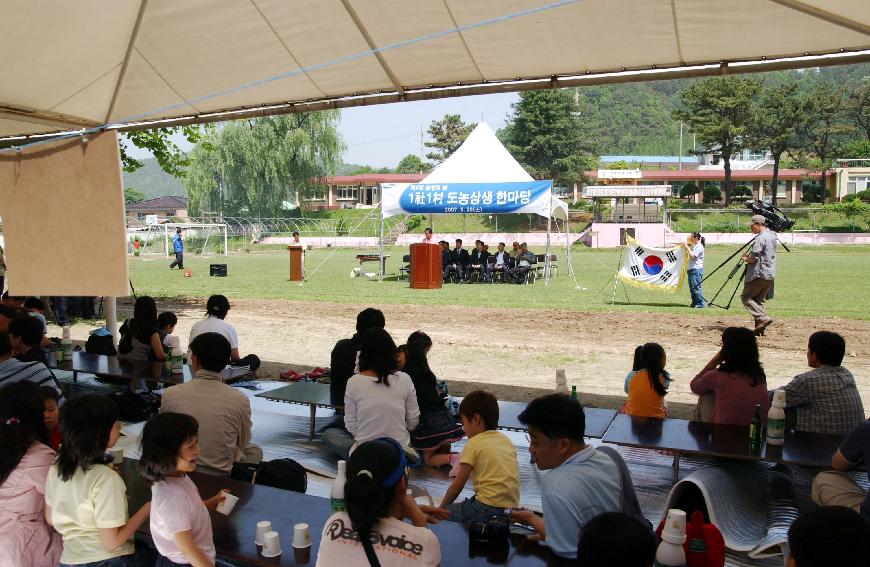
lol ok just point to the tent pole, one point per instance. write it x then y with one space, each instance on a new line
549 227
110 308
381 248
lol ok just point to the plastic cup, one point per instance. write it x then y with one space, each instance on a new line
301 538
675 527
262 528
227 504
117 454
271 544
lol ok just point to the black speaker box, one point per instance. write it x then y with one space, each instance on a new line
218 270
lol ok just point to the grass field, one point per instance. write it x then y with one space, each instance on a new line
826 281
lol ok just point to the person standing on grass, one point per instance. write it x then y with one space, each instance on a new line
760 272
695 271
178 248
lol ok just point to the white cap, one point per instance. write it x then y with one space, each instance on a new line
778 398
560 375
66 331
674 530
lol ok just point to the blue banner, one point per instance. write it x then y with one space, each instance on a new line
525 196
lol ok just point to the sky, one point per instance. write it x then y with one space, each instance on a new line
382 135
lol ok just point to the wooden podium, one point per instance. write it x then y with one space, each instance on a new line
425 266
295 263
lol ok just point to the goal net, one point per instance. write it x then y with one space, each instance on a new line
200 239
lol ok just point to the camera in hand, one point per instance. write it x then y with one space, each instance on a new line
777 220
496 530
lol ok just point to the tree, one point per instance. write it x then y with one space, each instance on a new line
718 110
856 149
858 107
711 194
257 166
132 195
825 133
159 142
546 135
688 190
741 193
413 164
775 123
447 135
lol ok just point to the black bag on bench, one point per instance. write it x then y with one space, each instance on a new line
285 474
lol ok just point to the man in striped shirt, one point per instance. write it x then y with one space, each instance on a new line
13 370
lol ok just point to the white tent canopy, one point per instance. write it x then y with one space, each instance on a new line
481 159
71 65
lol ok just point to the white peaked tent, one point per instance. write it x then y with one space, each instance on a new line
480 162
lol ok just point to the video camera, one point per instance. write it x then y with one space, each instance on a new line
777 220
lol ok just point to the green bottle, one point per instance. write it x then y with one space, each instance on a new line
755 429
574 392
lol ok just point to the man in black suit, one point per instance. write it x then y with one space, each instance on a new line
446 256
502 262
459 261
477 261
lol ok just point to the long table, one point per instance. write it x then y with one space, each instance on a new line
112 367
234 534
682 437
316 395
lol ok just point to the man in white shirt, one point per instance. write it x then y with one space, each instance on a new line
223 413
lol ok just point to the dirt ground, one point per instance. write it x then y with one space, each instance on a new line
514 352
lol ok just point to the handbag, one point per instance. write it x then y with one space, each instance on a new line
285 474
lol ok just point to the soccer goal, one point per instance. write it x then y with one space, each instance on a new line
200 239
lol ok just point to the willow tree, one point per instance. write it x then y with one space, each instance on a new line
260 166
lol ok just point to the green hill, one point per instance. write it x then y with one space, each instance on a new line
153 182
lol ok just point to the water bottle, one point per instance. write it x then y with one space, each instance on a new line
574 392
561 384
776 419
336 493
176 357
65 353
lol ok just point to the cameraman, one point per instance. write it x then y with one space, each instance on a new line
760 271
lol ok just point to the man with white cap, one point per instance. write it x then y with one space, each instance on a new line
760 271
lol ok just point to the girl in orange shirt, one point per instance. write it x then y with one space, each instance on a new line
646 395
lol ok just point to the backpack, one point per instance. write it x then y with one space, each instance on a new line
100 344
285 474
136 406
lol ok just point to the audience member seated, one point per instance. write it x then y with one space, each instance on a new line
583 481
85 499
51 415
166 323
377 505
13 370
825 399
380 402
223 413
35 307
437 428
26 539
140 338
26 334
649 385
458 264
733 382
522 265
515 250
829 536
502 263
180 526
836 488
489 458
616 539
477 263
217 308
7 314
343 365
445 255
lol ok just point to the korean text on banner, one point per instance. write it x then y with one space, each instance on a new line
494 198
657 268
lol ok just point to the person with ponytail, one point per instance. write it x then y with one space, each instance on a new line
380 402
437 428
648 386
695 271
372 530
26 539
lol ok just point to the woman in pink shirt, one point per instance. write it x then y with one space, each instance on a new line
735 379
26 540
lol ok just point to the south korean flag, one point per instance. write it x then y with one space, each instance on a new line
659 268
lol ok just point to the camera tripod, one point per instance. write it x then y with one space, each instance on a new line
733 272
